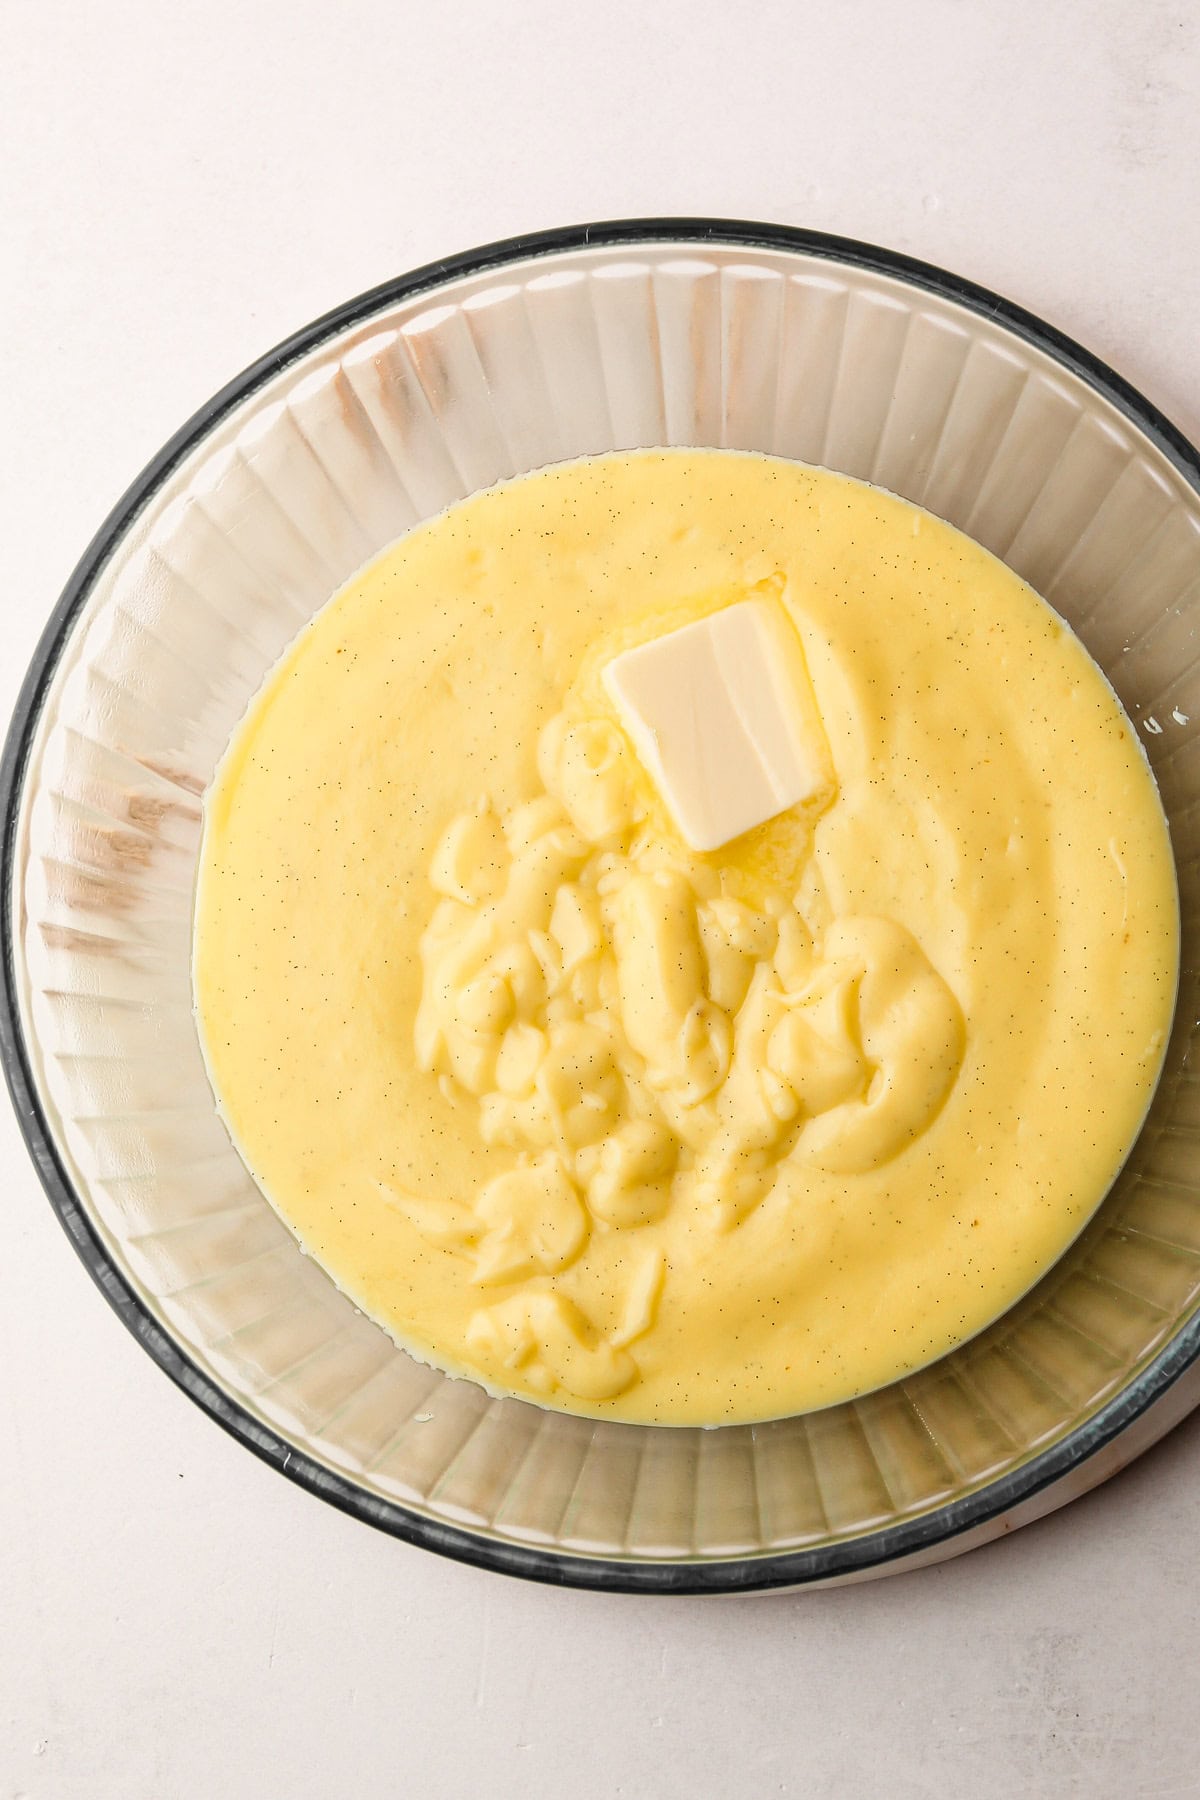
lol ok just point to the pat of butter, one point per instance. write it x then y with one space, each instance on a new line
723 717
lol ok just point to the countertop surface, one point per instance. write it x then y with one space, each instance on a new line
182 186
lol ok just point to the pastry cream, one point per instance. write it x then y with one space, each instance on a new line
646 1133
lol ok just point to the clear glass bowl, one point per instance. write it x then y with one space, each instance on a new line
658 332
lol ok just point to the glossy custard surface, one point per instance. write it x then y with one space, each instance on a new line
652 1134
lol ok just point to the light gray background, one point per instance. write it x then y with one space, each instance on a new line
182 185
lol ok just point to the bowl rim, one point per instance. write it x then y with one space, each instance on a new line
869 1552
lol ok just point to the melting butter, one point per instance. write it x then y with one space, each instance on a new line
723 717
636 1130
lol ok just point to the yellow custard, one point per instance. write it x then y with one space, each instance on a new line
657 1135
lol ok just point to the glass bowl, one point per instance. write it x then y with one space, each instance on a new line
600 338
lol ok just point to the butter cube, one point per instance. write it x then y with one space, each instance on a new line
723 717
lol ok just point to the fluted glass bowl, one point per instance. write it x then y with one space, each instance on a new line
610 337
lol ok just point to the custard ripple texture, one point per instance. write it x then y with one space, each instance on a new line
647 1134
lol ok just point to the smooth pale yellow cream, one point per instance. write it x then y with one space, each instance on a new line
654 1135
